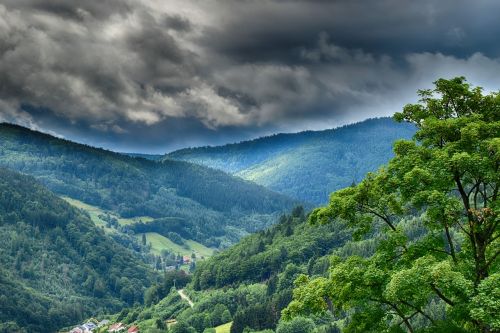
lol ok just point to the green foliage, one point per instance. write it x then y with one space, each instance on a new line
56 266
209 330
182 327
260 256
175 193
486 303
256 317
434 211
226 316
296 325
307 165
158 291
252 301
175 237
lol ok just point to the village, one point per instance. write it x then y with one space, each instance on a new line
95 326
103 326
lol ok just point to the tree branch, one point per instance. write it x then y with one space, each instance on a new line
440 294
383 217
492 259
450 243
418 310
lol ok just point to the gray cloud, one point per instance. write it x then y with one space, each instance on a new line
184 72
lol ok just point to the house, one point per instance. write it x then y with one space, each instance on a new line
103 323
186 259
89 327
77 329
117 327
133 329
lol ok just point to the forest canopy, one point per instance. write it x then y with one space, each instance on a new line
435 211
57 267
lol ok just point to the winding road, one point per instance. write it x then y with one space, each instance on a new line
185 297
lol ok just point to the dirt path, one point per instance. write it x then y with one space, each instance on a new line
185 297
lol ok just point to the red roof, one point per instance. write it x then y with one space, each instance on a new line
116 327
133 329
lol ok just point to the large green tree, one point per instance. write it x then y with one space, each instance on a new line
435 210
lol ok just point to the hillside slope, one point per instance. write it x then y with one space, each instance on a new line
307 165
56 267
250 283
247 285
197 202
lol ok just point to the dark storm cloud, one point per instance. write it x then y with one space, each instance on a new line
155 75
272 30
70 10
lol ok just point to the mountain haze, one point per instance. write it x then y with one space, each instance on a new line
307 165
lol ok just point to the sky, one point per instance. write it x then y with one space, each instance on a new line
152 76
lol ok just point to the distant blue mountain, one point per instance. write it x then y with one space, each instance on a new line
307 165
152 157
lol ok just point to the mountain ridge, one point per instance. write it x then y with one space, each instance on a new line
223 204
290 162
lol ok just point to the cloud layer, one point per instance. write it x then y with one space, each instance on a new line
156 75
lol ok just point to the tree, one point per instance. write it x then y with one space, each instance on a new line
182 327
144 240
256 317
218 317
297 325
209 330
445 182
226 316
160 324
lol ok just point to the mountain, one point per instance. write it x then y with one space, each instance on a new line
152 157
413 247
56 266
194 201
307 165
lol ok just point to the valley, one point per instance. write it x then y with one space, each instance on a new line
229 166
187 195
158 242
99 241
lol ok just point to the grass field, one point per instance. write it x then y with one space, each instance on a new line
226 328
159 242
132 220
95 211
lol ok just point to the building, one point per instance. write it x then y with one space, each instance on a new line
103 323
133 329
89 327
117 327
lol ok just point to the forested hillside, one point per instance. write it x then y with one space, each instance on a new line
307 165
250 283
56 267
207 205
413 247
446 277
